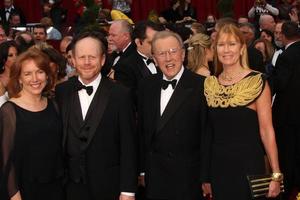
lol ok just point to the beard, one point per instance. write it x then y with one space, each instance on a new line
279 44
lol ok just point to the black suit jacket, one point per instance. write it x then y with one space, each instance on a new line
110 149
172 142
15 9
129 51
286 85
132 71
286 109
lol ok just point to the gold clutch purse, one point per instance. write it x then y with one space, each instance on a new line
259 185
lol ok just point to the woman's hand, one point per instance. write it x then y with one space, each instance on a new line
206 188
274 189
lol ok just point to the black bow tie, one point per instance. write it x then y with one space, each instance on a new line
166 83
80 86
7 11
149 61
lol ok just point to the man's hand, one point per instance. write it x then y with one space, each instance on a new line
17 196
125 197
141 181
206 188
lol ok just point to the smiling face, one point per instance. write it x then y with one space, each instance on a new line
32 78
88 59
229 50
169 55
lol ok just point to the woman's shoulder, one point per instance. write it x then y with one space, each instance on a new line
7 112
7 106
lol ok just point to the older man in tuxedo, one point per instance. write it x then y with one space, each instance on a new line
119 37
99 137
171 118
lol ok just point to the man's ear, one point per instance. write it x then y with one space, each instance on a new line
138 42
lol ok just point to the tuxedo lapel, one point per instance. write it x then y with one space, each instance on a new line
97 107
72 107
154 108
142 67
180 94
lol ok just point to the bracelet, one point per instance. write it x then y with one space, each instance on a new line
277 176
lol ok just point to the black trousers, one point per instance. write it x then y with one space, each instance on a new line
80 191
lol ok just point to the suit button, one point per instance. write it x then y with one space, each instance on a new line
177 132
87 128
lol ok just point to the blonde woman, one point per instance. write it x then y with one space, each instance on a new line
240 115
199 54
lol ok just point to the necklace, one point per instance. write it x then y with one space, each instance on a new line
227 77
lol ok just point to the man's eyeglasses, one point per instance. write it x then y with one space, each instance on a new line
171 52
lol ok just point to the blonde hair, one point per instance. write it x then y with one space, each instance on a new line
196 51
231 30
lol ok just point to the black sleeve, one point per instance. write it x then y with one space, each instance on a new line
128 143
8 177
206 142
142 151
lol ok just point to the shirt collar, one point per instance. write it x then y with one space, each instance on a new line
126 47
287 46
95 83
143 56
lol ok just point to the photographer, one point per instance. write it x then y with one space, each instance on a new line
262 7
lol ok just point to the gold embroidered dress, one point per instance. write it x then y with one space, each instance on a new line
236 147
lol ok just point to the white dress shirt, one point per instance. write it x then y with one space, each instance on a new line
275 56
84 98
166 94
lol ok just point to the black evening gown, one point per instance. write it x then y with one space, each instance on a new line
31 153
236 147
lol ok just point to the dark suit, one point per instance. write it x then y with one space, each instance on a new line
286 109
100 150
133 70
171 142
13 10
130 50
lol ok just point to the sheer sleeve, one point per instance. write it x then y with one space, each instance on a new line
8 180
